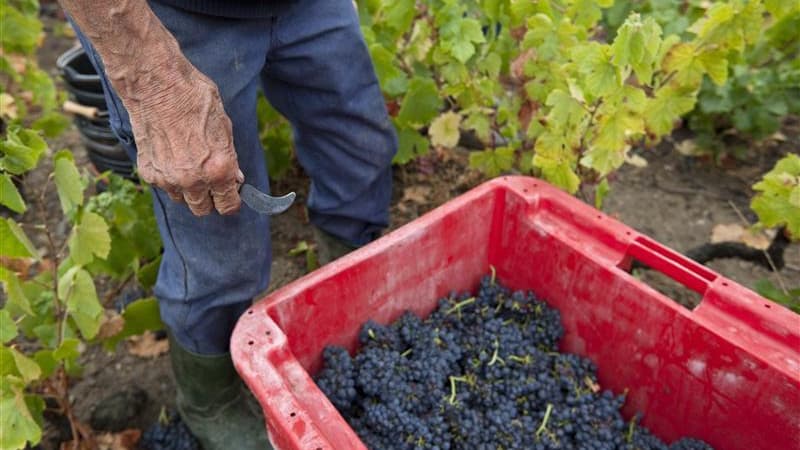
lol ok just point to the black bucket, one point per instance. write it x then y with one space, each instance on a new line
122 168
84 86
78 72
113 151
95 132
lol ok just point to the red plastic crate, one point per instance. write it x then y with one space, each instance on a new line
727 372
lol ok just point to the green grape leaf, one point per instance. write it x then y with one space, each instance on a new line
776 200
559 173
461 50
566 113
491 65
470 29
68 181
715 17
600 193
21 33
594 63
410 145
604 159
444 131
41 85
9 195
148 273
521 10
556 160
478 121
7 365
794 197
399 14
393 80
51 124
26 367
715 64
16 298
682 60
637 45
36 407
89 237
21 150
492 162
14 242
18 425
77 290
668 105
780 8
421 102
140 316
613 131
585 13
460 39
526 162
8 329
45 360
690 66
68 351
730 25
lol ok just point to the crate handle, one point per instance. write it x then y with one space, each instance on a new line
671 263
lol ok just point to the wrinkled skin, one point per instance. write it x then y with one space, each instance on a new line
183 135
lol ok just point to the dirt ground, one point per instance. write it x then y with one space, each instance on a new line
676 200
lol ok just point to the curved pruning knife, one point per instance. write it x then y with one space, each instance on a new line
264 203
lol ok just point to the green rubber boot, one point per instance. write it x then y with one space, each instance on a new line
212 400
330 247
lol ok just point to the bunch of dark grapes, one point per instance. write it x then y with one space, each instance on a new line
169 433
481 372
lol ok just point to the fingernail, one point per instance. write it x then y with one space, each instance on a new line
241 176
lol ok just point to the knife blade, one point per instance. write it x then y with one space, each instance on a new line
265 203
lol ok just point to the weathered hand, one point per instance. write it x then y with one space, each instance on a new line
183 135
185 145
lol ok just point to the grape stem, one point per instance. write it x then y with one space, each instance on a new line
631 427
494 274
453 381
496 358
459 305
543 426
525 360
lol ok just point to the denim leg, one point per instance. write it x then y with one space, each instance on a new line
320 76
212 266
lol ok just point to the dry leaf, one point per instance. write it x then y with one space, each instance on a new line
778 136
22 266
687 147
635 160
8 108
518 65
416 194
124 440
726 232
112 324
18 62
734 232
147 346
756 240
591 384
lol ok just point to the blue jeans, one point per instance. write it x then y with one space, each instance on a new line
313 66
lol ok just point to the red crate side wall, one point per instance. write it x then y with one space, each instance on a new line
685 378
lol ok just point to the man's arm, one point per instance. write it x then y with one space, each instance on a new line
183 135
